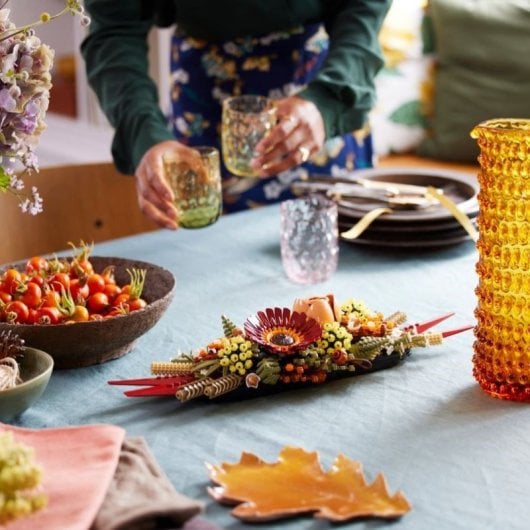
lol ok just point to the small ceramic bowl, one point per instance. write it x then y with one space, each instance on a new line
36 368
88 343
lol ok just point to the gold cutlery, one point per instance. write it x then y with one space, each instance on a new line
394 188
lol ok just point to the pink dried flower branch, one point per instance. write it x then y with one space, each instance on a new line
25 83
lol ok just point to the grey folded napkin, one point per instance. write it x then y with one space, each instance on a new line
141 497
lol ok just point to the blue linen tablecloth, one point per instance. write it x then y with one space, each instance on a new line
461 457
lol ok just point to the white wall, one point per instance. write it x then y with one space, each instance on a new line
58 34
64 35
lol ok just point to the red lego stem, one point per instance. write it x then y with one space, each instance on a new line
454 331
420 327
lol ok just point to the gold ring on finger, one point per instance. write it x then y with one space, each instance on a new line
304 153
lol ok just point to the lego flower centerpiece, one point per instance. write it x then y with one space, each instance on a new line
25 83
313 342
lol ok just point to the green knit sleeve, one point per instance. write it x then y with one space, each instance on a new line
343 89
115 53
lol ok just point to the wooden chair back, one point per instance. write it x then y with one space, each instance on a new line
89 202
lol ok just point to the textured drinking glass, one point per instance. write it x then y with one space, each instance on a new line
501 359
309 239
198 196
246 120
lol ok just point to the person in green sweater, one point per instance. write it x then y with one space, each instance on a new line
316 59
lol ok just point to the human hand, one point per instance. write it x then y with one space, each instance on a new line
155 196
298 134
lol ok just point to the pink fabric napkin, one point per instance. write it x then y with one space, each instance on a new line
79 464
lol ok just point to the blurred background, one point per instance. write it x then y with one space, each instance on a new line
77 131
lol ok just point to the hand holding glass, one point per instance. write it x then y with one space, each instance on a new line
246 121
198 197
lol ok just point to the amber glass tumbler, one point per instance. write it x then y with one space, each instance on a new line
246 120
501 360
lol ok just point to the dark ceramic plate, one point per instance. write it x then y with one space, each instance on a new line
419 241
94 342
379 225
461 188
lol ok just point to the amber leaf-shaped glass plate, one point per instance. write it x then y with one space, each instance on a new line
297 484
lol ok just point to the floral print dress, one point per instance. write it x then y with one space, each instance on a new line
276 65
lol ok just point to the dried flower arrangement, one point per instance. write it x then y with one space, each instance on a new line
20 477
25 83
280 348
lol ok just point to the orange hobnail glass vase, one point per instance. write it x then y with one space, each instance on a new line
501 360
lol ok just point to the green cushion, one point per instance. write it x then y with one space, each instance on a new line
483 71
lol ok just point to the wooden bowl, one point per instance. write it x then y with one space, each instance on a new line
36 368
94 342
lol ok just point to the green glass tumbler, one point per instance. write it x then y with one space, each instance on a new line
198 194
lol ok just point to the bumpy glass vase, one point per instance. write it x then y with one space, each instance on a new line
501 360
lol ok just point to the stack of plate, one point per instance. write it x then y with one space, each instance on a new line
429 226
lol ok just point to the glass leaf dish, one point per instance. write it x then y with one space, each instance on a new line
297 484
